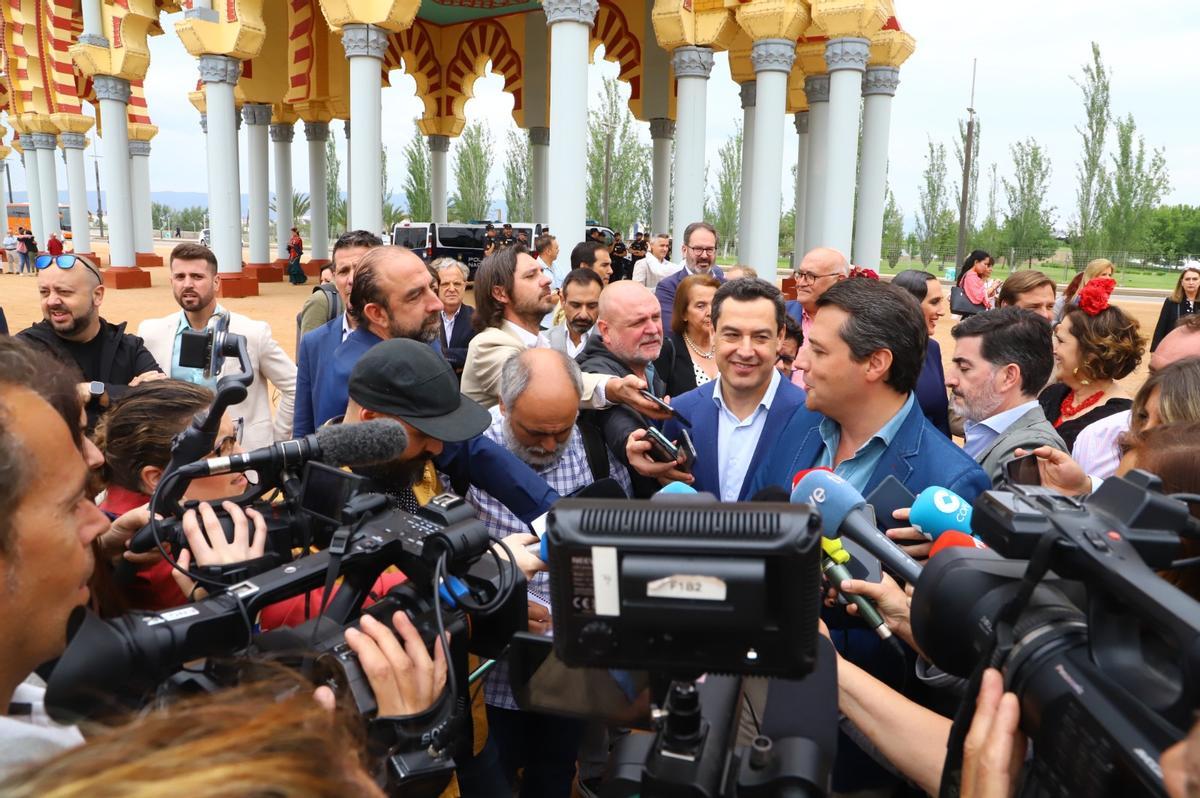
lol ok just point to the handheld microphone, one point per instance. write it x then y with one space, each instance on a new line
952 539
377 441
805 472
833 563
674 489
842 513
936 510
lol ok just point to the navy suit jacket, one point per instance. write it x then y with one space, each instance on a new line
332 391
665 291
919 457
464 331
698 407
316 347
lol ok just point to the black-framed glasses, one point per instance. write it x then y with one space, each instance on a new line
226 445
64 261
811 277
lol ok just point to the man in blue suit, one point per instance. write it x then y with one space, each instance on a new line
699 257
863 354
319 344
737 418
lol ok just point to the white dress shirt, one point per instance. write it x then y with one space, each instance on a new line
1096 446
737 439
448 322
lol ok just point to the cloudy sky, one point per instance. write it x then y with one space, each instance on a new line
1027 53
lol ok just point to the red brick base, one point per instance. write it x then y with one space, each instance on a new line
148 259
121 277
234 286
264 272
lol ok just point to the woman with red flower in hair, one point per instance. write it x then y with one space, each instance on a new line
1095 345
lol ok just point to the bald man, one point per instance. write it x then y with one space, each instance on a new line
629 340
820 269
73 331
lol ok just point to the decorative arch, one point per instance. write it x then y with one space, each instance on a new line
621 46
412 49
482 42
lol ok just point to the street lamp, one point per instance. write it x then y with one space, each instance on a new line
99 202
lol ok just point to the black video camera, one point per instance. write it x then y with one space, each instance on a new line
1102 652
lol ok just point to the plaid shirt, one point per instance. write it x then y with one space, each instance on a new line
566 476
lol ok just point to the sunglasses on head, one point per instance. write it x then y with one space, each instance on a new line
66 261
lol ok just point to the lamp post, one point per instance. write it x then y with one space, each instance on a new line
99 201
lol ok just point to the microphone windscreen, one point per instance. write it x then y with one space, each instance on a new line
676 487
936 510
802 474
952 538
771 493
607 488
379 440
831 495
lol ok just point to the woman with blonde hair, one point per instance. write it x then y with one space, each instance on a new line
1100 267
1181 302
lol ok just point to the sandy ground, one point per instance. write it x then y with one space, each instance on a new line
278 304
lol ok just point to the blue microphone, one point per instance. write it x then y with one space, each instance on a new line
937 510
843 512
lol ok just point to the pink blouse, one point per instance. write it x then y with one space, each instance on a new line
975 289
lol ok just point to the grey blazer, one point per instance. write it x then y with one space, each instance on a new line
1027 432
556 336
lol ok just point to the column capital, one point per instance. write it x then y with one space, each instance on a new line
44 141
204 122
662 128
847 53
219 69
881 80
72 141
692 62
93 39
26 140
773 55
370 41
802 122
202 14
816 89
316 131
539 136
749 93
139 148
283 131
439 143
571 11
256 114
110 87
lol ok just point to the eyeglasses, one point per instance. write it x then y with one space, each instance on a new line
702 250
226 445
785 360
66 261
811 277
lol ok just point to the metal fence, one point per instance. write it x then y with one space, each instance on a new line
1062 263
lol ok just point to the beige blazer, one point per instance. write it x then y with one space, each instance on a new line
269 362
486 356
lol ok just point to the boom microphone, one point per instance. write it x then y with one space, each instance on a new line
842 513
377 441
936 510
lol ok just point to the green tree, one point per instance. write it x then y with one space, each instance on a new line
161 215
618 161
385 188
1094 86
473 154
960 145
934 203
893 230
194 217
300 205
1027 226
727 200
333 193
1173 233
1138 182
518 170
990 236
418 188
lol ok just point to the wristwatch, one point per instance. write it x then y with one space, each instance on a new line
98 393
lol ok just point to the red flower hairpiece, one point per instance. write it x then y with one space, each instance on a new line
1093 299
859 271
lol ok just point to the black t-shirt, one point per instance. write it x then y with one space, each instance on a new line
86 355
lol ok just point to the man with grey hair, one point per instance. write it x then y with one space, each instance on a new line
819 270
457 316
654 268
536 421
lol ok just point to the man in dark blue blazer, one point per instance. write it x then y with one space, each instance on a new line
316 347
699 257
863 354
457 318
737 418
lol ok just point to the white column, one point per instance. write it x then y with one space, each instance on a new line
46 143
539 155
93 31
365 46
113 94
439 146
139 184
846 60
746 198
662 136
220 74
801 186
772 59
281 137
349 169
81 234
879 86
33 186
570 24
692 68
816 89
317 134
257 118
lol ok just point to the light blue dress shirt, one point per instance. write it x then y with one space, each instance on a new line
857 470
980 434
178 372
737 439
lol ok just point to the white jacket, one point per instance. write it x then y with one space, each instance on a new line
267 359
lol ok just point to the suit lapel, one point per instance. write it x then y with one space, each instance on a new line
705 431
905 445
781 412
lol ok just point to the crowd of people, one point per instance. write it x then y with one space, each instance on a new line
551 380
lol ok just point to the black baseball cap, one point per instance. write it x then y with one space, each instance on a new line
407 379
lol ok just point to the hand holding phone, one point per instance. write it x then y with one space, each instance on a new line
665 407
